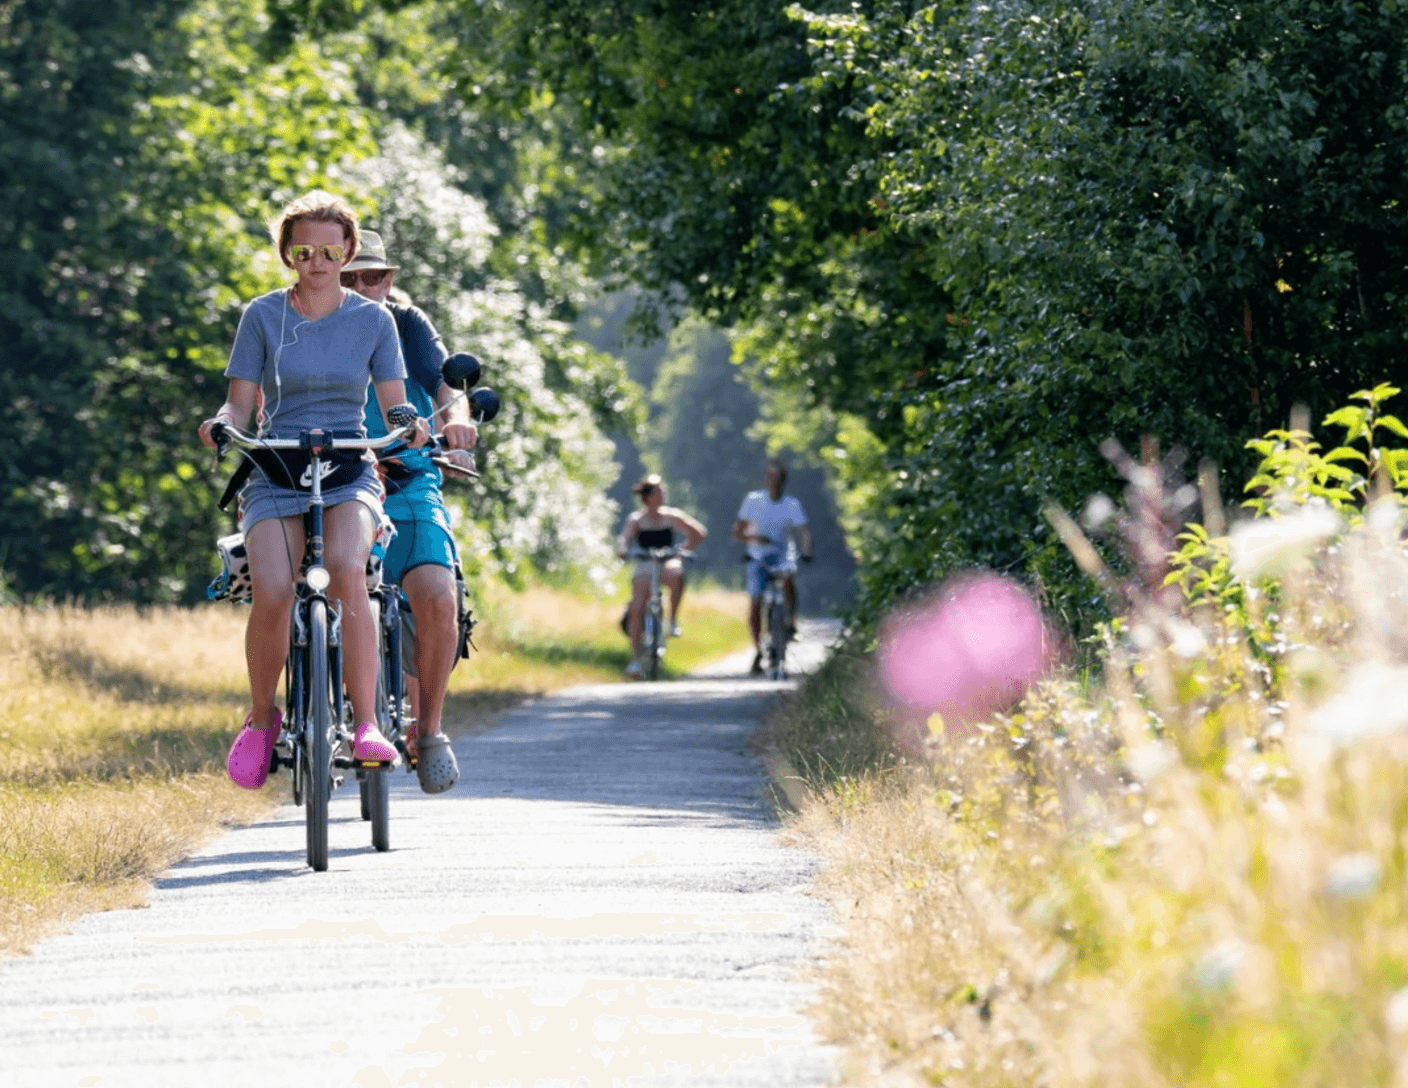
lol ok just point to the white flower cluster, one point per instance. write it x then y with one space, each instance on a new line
540 503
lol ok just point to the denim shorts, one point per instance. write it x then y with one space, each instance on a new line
423 534
759 571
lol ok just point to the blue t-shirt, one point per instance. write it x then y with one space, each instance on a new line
424 353
315 373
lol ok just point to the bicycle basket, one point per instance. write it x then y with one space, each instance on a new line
233 583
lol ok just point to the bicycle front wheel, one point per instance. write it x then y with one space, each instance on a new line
317 738
653 636
375 788
777 631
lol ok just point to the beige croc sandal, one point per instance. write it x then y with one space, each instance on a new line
435 763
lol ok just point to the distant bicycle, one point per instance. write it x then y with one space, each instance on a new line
777 629
653 630
314 741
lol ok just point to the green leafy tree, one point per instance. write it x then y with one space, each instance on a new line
996 234
146 148
537 507
79 256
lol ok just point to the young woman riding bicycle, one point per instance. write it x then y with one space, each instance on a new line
304 355
655 526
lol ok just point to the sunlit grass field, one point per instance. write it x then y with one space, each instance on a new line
115 722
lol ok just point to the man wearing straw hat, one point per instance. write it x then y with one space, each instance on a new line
422 558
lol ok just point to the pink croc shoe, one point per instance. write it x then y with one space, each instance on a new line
369 746
248 762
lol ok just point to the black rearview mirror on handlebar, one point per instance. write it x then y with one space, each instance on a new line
461 371
483 405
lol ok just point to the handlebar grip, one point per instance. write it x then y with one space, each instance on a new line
402 415
220 438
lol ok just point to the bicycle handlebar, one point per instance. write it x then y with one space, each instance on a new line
319 441
673 552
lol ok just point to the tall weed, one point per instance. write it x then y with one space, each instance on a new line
1192 873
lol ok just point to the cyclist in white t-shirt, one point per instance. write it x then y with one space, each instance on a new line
773 525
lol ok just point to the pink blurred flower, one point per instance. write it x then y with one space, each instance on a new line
969 649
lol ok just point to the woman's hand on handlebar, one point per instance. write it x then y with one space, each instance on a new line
206 438
239 403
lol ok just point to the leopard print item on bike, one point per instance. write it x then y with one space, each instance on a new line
234 584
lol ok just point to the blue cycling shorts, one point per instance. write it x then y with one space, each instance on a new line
759 571
423 533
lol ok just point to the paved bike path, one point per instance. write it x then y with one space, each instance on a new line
602 900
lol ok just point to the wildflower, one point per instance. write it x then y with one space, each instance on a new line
1396 1011
1371 704
1187 641
1266 547
1353 876
1148 761
968 651
1218 968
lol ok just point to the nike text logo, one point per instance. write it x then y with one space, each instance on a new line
324 469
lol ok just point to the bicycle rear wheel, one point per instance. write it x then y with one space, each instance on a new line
317 739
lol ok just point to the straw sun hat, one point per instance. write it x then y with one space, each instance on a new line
371 253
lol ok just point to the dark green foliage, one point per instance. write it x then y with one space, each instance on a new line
90 349
143 149
997 234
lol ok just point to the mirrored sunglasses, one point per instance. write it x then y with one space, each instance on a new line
305 252
371 277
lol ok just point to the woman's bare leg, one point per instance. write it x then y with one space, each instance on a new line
640 594
350 530
673 578
275 551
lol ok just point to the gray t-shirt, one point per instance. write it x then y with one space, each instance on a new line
318 377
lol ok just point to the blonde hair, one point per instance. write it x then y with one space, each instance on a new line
316 207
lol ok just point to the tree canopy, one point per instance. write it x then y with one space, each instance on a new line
957 245
146 147
978 239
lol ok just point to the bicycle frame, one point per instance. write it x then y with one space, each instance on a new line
313 739
653 623
773 619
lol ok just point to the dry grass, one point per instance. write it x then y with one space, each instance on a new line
1192 876
106 692
114 725
91 844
